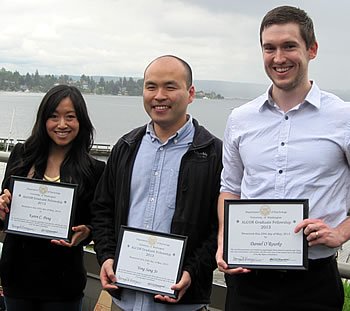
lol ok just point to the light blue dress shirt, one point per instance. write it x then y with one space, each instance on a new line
152 202
301 154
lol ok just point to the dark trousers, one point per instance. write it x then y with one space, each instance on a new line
14 304
116 308
318 289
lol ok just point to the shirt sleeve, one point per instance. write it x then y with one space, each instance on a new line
347 143
232 173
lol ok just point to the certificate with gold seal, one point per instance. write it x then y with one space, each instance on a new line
259 234
40 208
149 261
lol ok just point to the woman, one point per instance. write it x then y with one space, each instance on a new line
38 273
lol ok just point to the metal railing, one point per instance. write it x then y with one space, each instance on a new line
6 145
4 156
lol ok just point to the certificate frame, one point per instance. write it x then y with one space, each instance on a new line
41 208
259 234
139 259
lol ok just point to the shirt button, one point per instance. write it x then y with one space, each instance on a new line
161 148
156 173
280 171
286 117
282 143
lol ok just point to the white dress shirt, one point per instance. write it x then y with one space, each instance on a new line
301 154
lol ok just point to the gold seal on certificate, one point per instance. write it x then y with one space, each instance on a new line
149 261
40 208
259 234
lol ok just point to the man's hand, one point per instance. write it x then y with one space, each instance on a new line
181 287
107 276
317 232
222 265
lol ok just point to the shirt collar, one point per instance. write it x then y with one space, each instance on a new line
313 97
186 129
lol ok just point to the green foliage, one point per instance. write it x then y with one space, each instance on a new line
36 83
211 95
346 285
13 81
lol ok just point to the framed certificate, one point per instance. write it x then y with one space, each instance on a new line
149 261
259 234
40 208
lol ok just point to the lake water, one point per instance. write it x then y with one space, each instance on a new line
112 116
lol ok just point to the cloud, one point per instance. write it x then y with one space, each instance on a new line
120 37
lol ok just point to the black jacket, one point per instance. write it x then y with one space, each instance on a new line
195 211
35 268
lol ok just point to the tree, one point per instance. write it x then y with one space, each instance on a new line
42 83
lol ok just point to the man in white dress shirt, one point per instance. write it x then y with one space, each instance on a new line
293 142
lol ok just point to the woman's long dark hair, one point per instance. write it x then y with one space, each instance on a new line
77 162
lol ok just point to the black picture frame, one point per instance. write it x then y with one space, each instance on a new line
131 258
260 222
33 212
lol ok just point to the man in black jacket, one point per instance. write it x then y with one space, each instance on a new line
165 177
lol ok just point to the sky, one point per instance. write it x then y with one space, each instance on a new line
219 38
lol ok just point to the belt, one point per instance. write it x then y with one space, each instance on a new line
321 261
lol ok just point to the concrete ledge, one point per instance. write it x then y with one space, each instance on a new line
344 270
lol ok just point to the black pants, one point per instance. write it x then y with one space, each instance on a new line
116 308
14 304
318 289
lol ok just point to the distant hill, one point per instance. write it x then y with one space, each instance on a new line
247 90
227 89
224 88
231 89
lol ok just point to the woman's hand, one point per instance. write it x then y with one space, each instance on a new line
80 234
5 200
